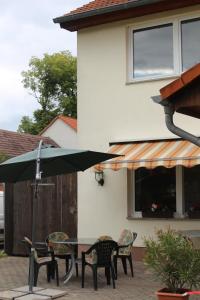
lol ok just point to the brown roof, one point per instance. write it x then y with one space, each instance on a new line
67 120
184 93
175 86
104 11
98 4
14 143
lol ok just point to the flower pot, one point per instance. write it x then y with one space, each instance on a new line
164 294
157 214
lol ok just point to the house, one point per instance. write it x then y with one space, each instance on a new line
56 207
63 130
127 52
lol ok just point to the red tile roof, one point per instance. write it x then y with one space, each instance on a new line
98 4
105 11
178 84
67 120
14 143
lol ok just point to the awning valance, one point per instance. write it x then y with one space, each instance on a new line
152 154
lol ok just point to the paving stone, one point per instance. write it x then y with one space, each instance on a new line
53 293
14 274
10 295
33 297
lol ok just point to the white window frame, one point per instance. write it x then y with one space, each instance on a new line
177 55
180 208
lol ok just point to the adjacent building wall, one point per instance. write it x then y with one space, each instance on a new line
110 109
62 134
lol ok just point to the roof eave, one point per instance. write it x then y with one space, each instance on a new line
132 9
102 11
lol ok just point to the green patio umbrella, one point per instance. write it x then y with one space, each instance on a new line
53 161
47 161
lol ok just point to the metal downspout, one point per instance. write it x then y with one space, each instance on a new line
169 112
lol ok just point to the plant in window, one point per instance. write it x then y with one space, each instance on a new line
195 207
194 211
157 210
174 261
155 207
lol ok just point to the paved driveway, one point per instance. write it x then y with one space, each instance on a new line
14 270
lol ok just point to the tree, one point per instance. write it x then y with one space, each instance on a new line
27 125
52 80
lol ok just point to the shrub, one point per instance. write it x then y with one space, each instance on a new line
173 259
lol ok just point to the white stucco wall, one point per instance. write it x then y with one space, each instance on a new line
109 109
62 134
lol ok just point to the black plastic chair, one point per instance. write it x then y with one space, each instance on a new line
100 255
42 257
125 250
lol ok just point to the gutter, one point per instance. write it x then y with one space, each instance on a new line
169 113
104 10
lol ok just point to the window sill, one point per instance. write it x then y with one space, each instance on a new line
143 80
161 219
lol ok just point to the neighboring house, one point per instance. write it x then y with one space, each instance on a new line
63 130
127 51
14 143
57 203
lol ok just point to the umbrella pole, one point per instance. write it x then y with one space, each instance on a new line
34 212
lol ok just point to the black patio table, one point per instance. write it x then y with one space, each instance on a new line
75 242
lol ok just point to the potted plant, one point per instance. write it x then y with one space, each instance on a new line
175 262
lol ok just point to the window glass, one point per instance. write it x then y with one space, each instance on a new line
153 51
192 189
157 186
190 34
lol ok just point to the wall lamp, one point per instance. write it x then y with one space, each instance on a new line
99 177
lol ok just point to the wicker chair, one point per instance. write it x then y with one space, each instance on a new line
102 257
42 257
60 250
125 243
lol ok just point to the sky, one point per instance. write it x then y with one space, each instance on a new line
26 30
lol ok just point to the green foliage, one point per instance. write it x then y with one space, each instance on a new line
2 254
27 125
3 157
173 260
52 80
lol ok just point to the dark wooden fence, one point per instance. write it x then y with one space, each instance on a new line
56 210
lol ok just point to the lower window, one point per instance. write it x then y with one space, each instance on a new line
155 192
164 193
192 191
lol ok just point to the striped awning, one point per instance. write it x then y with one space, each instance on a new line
152 154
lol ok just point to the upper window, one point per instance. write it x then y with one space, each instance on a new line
153 51
164 50
190 35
